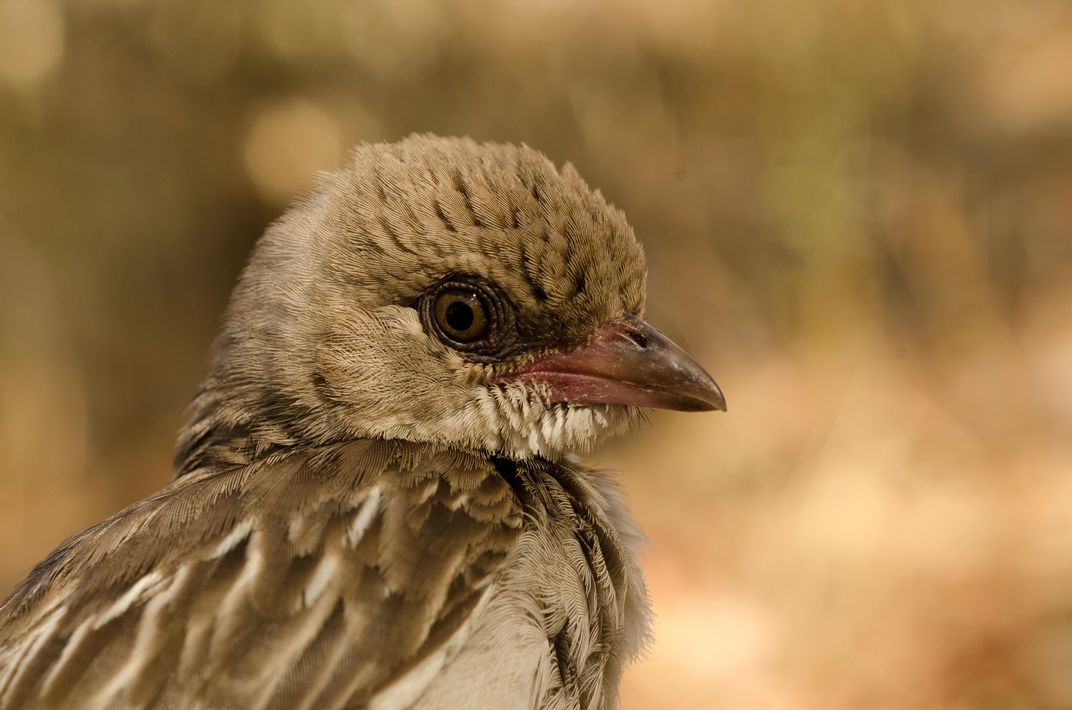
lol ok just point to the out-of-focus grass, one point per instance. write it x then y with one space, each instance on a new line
859 215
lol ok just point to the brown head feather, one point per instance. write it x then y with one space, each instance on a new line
322 339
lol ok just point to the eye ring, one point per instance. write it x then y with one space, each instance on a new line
470 315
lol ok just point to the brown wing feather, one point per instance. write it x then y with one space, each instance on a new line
312 579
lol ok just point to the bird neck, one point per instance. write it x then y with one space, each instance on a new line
222 431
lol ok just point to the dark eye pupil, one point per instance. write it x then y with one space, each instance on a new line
460 316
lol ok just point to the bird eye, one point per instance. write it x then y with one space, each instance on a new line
471 315
461 315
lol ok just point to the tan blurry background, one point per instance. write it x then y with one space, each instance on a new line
858 215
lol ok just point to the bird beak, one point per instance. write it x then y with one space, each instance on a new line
627 362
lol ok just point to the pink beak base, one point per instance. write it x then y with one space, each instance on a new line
627 362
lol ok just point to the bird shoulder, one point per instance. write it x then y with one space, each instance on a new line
317 577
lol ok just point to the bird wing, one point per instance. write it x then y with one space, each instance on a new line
346 575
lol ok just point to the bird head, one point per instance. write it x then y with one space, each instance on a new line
448 292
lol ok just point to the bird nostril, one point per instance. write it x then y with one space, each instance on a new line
636 337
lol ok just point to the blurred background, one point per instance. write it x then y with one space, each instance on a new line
858 215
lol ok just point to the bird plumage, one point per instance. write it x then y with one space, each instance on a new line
375 504
341 576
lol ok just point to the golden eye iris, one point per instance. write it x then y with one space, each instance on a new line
461 315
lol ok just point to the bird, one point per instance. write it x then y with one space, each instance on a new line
378 499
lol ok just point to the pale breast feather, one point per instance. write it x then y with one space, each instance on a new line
342 575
